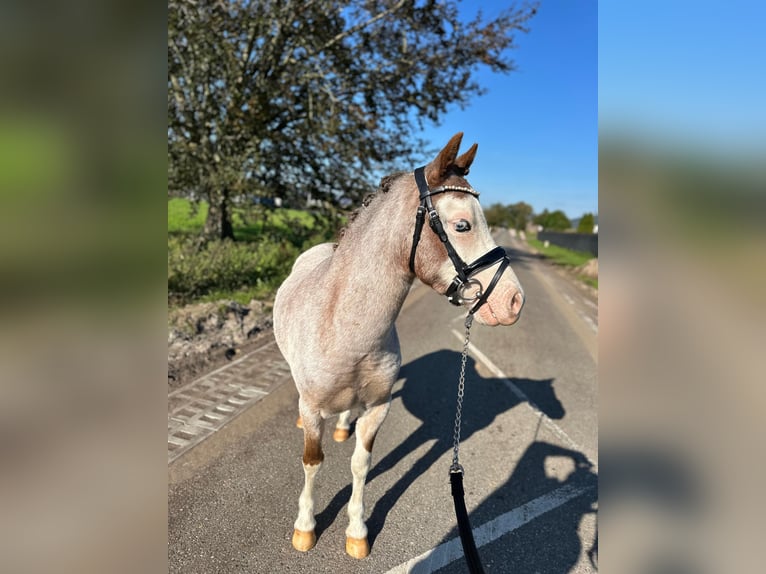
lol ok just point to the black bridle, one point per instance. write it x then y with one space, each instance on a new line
464 279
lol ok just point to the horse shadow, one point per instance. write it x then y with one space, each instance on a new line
429 392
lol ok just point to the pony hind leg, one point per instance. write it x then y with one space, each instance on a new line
342 427
366 429
304 537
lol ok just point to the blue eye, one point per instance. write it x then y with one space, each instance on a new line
462 226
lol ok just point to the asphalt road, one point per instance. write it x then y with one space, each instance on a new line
529 449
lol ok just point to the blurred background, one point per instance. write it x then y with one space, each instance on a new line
82 275
682 143
83 206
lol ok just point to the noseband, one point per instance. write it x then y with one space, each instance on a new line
464 279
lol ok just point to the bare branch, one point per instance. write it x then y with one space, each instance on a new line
361 26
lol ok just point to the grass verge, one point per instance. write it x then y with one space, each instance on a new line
564 257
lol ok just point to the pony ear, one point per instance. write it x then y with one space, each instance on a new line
465 160
437 169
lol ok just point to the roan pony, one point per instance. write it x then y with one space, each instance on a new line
334 315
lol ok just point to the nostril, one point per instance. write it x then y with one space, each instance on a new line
517 302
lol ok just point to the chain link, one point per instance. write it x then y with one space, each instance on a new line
455 467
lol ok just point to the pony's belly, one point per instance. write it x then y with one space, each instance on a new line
362 383
344 400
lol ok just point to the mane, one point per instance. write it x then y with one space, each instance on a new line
383 187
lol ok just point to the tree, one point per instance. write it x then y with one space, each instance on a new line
514 216
497 215
587 222
520 214
555 220
311 98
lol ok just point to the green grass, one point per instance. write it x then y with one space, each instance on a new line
592 281
267 241
183 217
243 295
564 257
560 255
250 224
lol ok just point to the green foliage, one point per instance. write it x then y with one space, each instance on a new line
553 220
521 213
564 257
560 255
293 99
185 216
514 216
224 265
268 241
496 215
34 158
299 228
586 224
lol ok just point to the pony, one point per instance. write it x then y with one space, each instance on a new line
334 314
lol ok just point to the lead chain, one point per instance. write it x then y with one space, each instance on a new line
455 467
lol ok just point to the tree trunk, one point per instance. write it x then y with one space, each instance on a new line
218 223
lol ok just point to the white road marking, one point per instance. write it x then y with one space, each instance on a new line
525 400
574 319
450 551
590 322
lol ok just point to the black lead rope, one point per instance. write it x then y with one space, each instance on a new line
456 471
464 525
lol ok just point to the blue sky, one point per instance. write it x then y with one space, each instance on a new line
537 127
685 72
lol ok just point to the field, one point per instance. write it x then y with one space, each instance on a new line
267 241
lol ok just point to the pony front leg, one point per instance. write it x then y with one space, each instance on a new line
366 428
304 537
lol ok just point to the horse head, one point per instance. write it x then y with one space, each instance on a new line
461 229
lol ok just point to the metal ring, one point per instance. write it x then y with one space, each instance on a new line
466 285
